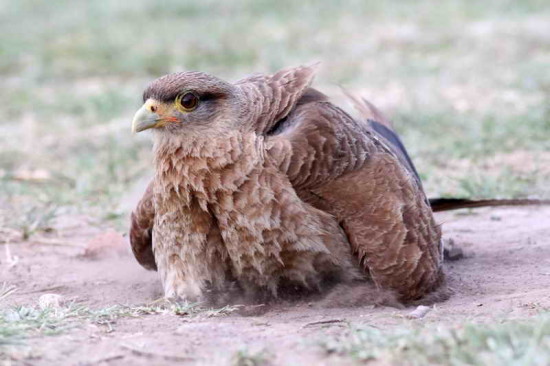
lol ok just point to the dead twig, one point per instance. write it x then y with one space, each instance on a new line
44 289
144 353
105 359
56 242
6 290
325 322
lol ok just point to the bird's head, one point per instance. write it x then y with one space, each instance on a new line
186 102
195 103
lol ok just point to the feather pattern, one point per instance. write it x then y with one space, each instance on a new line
224 212
281 188
272 97
339 165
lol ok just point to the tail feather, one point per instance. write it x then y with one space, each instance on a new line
367 110
447 204
384 127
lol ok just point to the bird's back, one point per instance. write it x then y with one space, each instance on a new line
360 172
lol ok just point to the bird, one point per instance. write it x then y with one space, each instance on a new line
265 185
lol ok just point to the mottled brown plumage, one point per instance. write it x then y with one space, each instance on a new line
266 184
340 165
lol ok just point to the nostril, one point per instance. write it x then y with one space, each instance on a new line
153 109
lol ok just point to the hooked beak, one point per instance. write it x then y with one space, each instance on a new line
145 119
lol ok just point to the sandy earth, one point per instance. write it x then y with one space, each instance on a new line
506 273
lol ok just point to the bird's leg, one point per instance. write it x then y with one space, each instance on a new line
191 257
177 283
178 278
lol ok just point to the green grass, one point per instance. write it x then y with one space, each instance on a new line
510 343
246 357
21 322
18 324
463 80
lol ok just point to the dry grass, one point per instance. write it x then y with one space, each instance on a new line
453 74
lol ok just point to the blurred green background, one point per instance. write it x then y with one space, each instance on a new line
466 82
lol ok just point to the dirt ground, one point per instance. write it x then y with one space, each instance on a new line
505 274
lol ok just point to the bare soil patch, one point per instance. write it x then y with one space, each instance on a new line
505 274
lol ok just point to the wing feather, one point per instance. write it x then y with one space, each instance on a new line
343 166
141 228
272 97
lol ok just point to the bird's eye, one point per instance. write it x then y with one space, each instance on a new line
187 101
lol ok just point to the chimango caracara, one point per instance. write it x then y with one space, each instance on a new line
264 184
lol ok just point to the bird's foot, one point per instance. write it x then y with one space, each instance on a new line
183 291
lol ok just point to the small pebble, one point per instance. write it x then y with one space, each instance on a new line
419 312
453 254
50 301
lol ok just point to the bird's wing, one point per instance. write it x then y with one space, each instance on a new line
343 166
318 142
272 97
141 228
